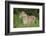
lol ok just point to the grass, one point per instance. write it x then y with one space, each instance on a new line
19 23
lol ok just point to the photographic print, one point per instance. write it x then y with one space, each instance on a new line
24 17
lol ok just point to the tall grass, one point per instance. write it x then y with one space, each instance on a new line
19 23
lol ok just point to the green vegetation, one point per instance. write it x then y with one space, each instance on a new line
19 23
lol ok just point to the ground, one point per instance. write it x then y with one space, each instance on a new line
18 23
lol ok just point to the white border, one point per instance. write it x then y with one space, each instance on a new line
29 28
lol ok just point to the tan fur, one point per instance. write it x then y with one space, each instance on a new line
27 19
